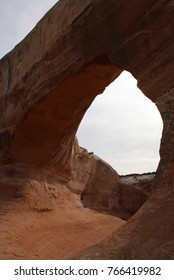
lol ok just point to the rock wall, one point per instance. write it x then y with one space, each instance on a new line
50 79
99 186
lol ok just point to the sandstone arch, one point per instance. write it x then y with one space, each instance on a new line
49 80
115 123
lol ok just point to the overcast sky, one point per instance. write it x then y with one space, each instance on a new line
122 126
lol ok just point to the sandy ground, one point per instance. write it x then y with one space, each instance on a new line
40 232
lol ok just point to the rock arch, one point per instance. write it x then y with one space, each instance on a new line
123 112
49 80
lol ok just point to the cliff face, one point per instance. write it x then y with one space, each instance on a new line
50 79
100 187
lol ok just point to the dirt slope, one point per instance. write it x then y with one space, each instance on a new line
48 227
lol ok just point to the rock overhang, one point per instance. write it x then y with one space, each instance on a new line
50 79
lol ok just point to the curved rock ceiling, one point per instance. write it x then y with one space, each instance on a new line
50 79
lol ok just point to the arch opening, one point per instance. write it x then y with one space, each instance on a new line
123 127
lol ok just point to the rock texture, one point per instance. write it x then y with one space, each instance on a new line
50 79
143 181
40 220
100 187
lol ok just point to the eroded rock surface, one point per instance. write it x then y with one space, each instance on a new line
40 220
100 187
50 79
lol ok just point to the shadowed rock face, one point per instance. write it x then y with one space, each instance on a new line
100 187
50 79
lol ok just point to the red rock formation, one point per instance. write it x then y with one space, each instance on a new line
41 220
50 79
100 187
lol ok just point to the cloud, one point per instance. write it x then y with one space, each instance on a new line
123 127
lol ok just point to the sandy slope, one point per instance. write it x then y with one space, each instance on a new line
47 222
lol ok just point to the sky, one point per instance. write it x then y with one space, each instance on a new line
122 126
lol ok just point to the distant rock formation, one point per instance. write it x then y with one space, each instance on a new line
50 79
100 187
